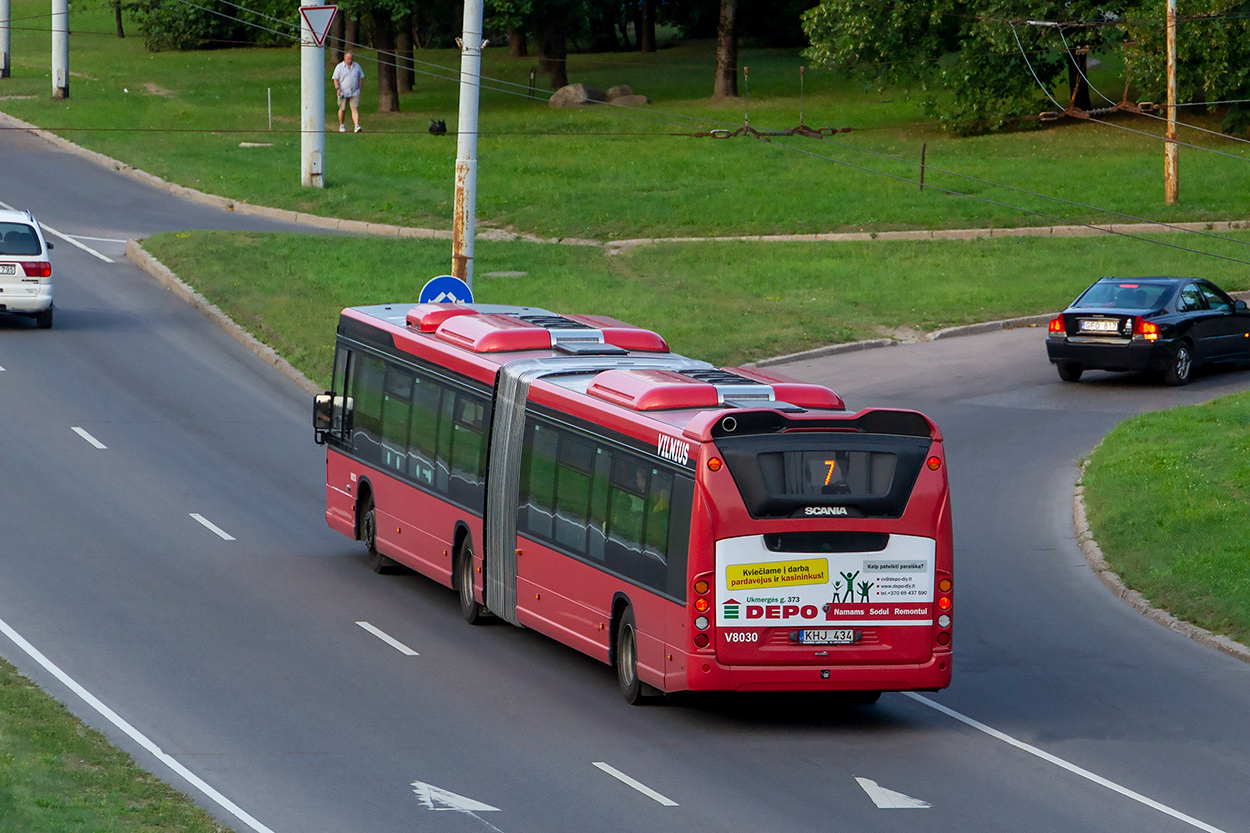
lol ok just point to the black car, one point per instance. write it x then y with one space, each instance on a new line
1170 325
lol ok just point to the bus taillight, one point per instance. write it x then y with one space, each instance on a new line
702 604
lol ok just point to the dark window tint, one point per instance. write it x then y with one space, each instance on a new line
339 427
1190 299
368 380
781 474
468 449
423 432
396 402
1123 295
606 506
19 239
1216 300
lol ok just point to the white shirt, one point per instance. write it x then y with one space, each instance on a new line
348 78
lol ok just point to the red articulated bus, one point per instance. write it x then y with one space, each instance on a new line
697 528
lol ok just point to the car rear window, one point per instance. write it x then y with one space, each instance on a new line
1124 295
18 239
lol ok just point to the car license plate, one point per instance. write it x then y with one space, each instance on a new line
8 269
1100 325
830 636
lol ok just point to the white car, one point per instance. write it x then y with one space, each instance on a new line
25 271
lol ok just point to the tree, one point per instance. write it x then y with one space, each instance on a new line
385 16
978 65
1213 55
726 85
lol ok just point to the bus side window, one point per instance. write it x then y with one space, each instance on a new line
340 413
423 431
538 503
396 403
468 450
659 505
367 387
573 493
600 490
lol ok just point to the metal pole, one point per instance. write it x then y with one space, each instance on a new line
269 99
6 7
312 137
463 218
60 48
1171 162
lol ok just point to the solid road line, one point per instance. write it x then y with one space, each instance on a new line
389 640
82 433
1062 764
133 733
216 530
64 237
640 787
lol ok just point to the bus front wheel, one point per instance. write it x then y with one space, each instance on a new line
469 607
369 535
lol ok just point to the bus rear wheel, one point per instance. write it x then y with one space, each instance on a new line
633 689
470 609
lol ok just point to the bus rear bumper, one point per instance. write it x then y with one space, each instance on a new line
705 674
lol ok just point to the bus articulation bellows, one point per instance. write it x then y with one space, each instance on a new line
698 528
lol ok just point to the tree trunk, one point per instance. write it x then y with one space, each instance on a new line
384 41
403 46
516 42
727 51
646 26
553 52
351 33
117 11
1078 87
338 33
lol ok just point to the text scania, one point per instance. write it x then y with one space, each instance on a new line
671 448
825 510
781 611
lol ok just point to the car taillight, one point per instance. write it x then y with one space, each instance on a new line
1146 329
38 269
1056 324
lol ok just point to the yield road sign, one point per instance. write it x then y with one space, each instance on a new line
318 19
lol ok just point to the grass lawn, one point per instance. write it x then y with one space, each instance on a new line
599 172
698 295
1169 500
58 776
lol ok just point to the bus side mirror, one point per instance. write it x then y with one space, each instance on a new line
322 405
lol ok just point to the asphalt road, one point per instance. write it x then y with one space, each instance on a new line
231 644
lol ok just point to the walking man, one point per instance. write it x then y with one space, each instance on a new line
348 77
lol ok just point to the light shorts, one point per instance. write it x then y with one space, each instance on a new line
353 100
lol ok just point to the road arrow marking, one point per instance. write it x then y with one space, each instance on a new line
436 798
889 799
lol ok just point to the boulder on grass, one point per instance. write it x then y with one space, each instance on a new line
616 92
575 95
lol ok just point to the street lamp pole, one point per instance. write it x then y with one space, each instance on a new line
463 217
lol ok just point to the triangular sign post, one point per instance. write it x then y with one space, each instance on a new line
318 19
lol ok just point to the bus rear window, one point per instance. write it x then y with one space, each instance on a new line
801 474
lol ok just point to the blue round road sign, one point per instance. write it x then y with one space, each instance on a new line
445 289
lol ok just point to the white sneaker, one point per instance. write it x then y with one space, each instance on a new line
357 129
342 129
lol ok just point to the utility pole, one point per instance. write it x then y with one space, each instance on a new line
60 48
463 221
1171 163
312 123
6 8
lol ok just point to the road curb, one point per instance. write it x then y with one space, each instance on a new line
1134 599
144 260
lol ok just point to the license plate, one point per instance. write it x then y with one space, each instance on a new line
1100 325
834 636
8 269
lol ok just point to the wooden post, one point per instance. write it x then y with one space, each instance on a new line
1171 164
